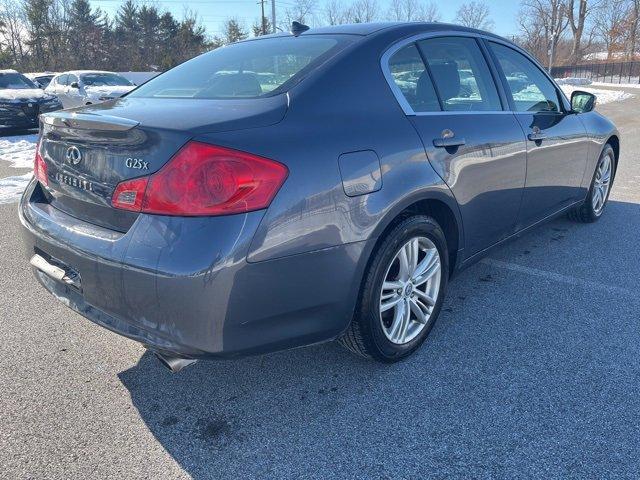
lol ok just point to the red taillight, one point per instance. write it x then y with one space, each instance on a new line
40 167
204 179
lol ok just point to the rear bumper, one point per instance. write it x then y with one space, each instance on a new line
183 285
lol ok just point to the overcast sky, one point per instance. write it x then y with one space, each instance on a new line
213 13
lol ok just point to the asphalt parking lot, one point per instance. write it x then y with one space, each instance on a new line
533 371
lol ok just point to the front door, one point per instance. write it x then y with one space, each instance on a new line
59 89
471 140
557 145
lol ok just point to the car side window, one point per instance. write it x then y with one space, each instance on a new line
62 80
461 74
411 77
71 79
531 90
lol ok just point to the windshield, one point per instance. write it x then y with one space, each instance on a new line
105 80
244 70
15 81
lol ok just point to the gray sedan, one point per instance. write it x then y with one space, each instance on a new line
299 188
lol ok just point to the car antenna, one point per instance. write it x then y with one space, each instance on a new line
297 28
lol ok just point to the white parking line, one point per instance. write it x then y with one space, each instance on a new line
558 277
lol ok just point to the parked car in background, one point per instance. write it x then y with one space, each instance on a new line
87 87
293 189
41 79
21 101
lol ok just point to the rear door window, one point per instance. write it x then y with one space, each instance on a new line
531 90
250 69
62 80
412 79
461 75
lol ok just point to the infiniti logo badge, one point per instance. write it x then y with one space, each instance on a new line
73 155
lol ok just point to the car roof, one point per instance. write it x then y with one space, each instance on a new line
371 29
8 70
83 72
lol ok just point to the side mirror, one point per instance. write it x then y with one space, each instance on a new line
77 85
582 102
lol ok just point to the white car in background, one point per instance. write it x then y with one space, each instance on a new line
86 87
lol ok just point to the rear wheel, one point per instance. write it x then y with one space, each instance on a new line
402 292
593 206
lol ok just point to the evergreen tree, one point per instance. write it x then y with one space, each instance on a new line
84 34
234 32
127 38
149 29
36 13
264 29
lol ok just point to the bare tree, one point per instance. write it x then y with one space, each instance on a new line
13 31
363 11
334 13
577 15
429 12
611 27
634 27
301 11
474 14
413 10
545 19
532 39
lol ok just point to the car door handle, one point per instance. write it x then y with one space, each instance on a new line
537 136
448 142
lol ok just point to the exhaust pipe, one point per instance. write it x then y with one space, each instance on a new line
175 364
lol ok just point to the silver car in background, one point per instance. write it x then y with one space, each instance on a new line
87 87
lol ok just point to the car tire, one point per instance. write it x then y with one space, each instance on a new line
371 331
592 209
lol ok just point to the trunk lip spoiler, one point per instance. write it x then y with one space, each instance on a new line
88 121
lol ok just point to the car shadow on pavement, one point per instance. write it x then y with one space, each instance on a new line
524 373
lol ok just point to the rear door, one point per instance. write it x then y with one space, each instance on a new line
475 144
557 143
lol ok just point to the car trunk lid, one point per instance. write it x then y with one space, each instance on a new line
89 151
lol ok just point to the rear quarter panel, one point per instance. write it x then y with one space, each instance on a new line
346 106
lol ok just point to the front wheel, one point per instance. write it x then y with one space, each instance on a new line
593 206
402 292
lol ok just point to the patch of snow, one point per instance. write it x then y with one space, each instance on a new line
608 56
19 151
573 81
11 188
602 96
616 85
22 93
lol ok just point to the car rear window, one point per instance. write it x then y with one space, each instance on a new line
100 79
251 69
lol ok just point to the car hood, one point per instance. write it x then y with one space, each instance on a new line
107 91
24 94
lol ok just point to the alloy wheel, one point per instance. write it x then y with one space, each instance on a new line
410 290
601 184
